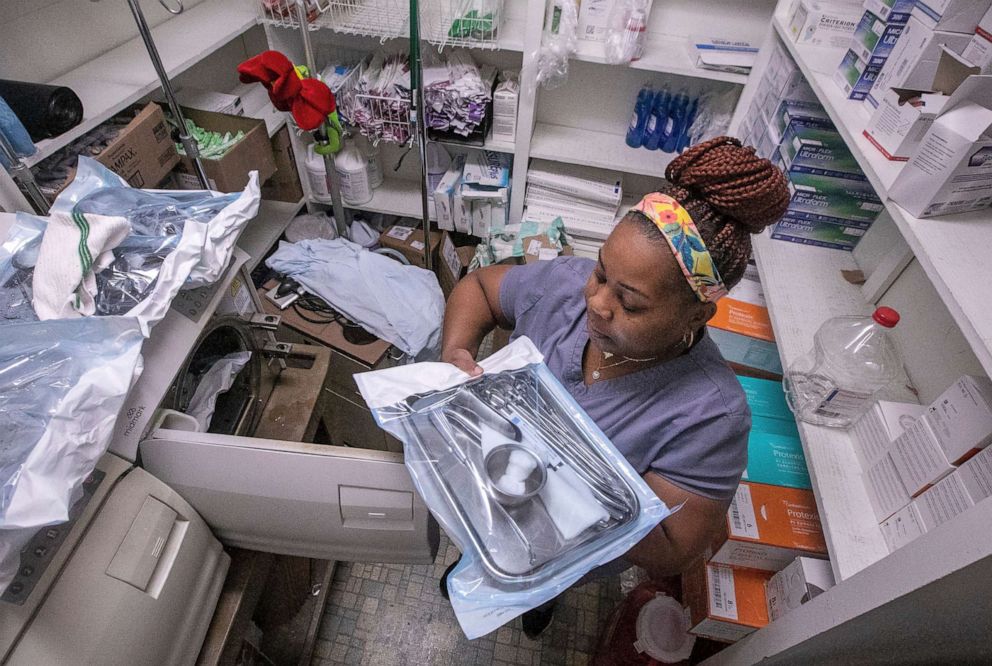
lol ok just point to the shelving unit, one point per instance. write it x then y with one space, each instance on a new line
264 230
124 75
597 149
394 197
950 248
663 53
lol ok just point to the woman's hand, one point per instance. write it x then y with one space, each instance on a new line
463 360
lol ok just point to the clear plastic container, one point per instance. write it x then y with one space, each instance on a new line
648 628
852 359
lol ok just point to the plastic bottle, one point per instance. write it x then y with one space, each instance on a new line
851 360
639 118
353 171
676 122
317 175
647 628
690 118
656 121
438 161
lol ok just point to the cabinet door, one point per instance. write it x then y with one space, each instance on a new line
293 498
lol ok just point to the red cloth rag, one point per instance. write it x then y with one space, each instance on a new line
309 100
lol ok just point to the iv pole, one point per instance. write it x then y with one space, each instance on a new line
23 177
419 129
189 142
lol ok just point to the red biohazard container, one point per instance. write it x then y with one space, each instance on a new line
648 628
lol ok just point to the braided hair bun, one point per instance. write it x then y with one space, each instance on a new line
732 181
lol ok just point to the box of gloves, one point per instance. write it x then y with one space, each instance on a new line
242 147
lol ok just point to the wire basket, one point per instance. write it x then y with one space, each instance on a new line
385 19
377 116
468 23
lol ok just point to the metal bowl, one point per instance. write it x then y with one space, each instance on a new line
496 462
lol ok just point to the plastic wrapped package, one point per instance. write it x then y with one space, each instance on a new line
626 32
558 43
18 253
520 478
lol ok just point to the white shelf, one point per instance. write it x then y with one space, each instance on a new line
597 149
123 75
495 145
662 53
803 288
394 197
264 230
952 249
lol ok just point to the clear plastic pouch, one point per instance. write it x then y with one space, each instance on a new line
520 478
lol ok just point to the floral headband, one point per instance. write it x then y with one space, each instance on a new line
687 245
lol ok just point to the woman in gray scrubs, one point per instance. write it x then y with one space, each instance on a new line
626 336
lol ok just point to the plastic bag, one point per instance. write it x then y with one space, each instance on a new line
521 479
626 32
218 379
18 253
558 42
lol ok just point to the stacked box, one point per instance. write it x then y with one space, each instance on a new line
827 198
855 76
880 27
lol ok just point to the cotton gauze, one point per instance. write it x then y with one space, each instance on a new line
522 460
510 485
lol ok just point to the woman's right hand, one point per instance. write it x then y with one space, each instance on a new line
463 360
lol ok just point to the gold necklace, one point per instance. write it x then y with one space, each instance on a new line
597 373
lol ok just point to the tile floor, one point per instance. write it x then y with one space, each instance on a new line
394 615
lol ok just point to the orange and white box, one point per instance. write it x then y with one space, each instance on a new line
961 418
919 459
768 527
743 310
725 603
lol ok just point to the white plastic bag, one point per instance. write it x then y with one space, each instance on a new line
626 32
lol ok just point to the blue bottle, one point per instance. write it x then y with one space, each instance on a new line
690 118
656 122
639 119
676 122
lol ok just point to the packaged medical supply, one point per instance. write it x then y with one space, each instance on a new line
560 38
852 358
625 33
775 454
748 356
765 398
819 23
409 242
587 184
913 61
806 114
848 200
519 477
486 168
208 100
438 163
796 584
811 149
874 38
855 76
919 459
453 264
902 527
946 499
875 431
444 194
744 310
769 526
902 118
891 11
594 19
883 483
505 100
819 231
722 55
979 49
230 171
725 603
951 15
951 170
961 418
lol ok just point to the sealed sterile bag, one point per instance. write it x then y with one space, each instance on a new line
166 240
520 478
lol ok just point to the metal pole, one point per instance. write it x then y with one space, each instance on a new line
22 176
419 129
332 173
189 143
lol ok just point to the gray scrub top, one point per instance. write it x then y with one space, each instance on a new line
686 419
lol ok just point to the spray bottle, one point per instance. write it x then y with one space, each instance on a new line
690 118
657 119
676 121
639 119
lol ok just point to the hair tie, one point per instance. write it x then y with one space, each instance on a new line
687 245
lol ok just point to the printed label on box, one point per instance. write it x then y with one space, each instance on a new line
723 596
401 233
534 247
743 522
451 257
417 245
547 254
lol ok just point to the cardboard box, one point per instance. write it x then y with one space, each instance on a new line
891 11
769 526
943 501
808 114
979 49
444 200
976 474
744 310
748 356
229 173
960 419
903 116
874 38
855 76
951 15
815 150
848 201
775 454
875 431
409 241
902 527
725 603
796 584
819 232
284 185
766 398
540 248
453 263
913 61
886 491
919 459
208 100
824 23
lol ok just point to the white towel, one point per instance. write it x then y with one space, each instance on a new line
73 249
570 503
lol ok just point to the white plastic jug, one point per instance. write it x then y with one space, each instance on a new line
317 175
353 171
